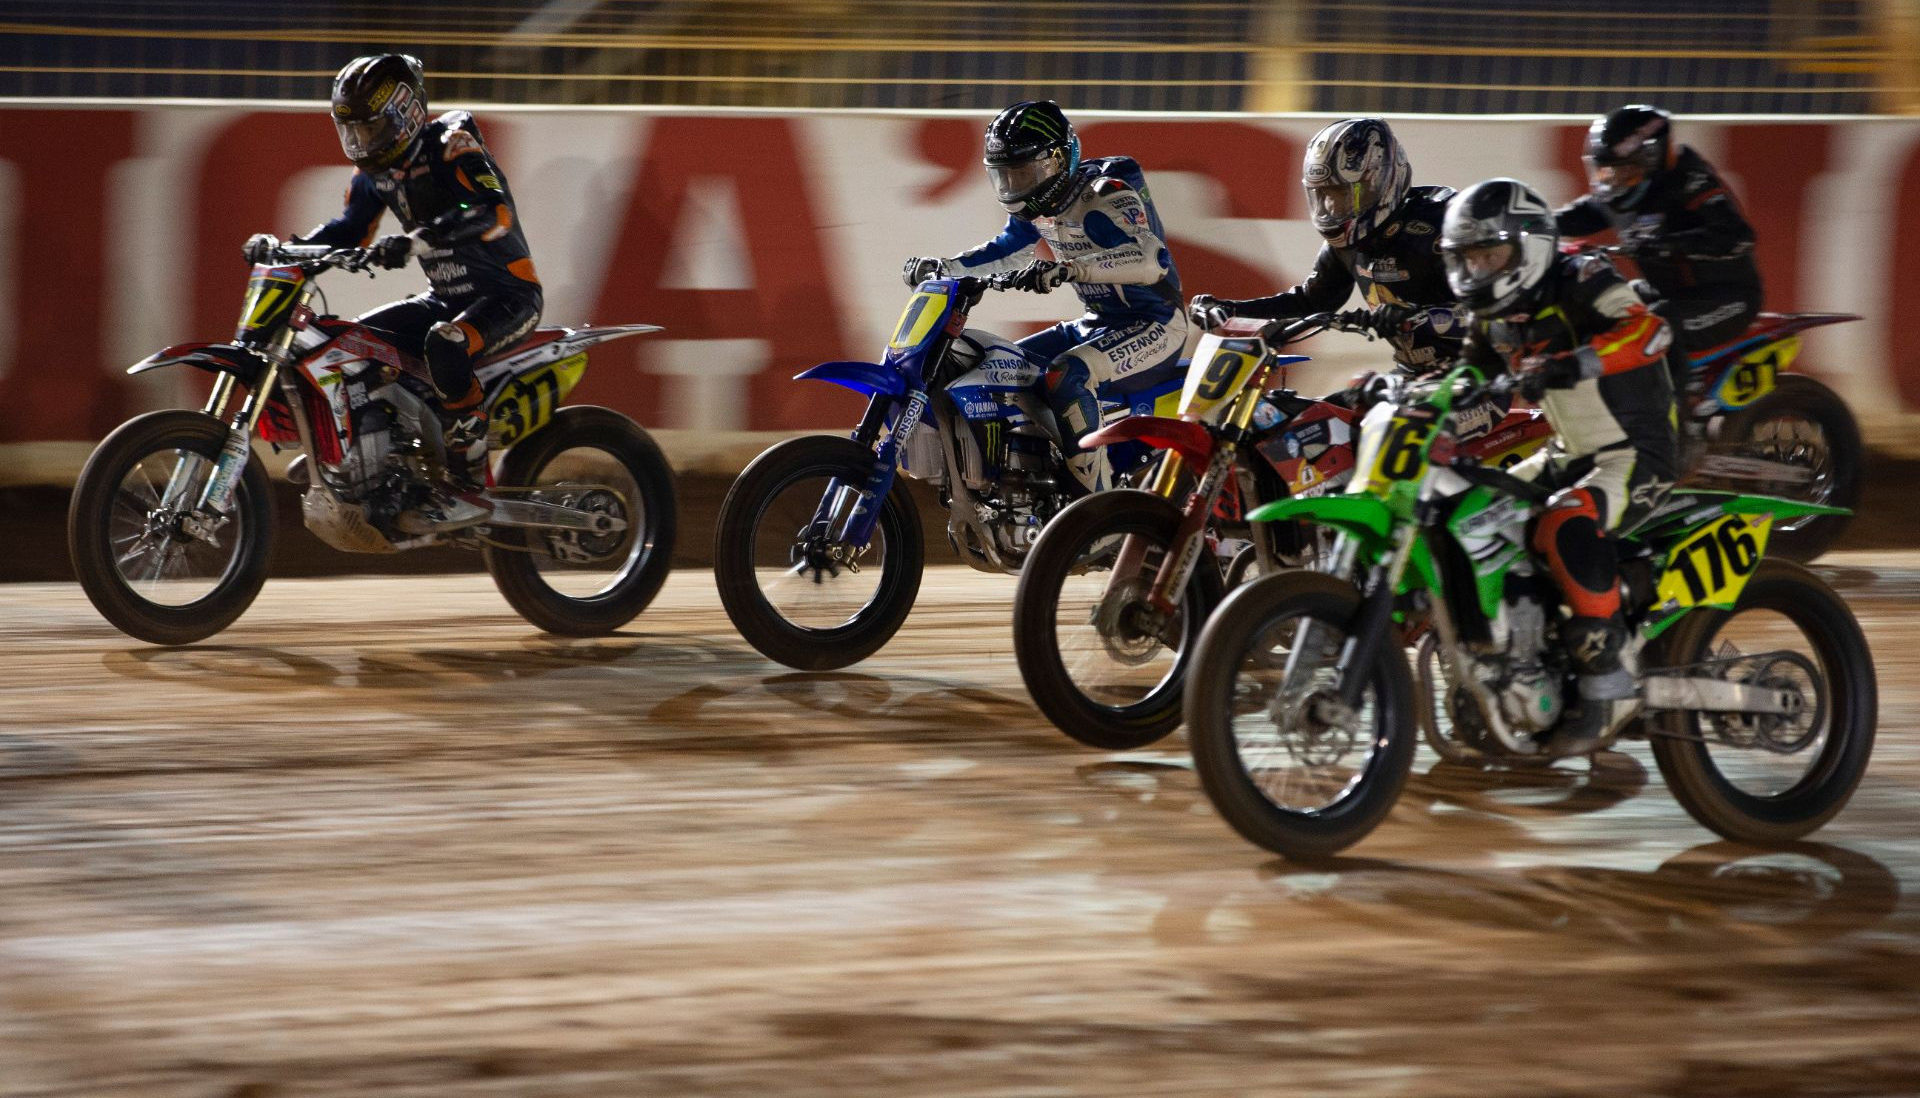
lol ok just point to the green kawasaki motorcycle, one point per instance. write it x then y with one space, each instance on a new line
1757 688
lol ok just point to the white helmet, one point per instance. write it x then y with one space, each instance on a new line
1497 241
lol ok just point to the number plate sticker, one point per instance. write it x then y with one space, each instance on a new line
527 401
1402 457
1712 566
1755 375
1219 377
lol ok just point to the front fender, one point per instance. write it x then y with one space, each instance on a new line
220 358
866 378
1362 515
1192 441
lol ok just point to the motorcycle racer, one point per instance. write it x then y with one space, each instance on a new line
1678 222
1593 355
457 217
1101 226
1382 237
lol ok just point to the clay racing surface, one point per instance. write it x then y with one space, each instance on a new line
382 838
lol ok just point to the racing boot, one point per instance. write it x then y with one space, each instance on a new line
1607 693
1077 412
457 500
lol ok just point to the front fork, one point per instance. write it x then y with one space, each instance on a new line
848 512
1189 537
215 497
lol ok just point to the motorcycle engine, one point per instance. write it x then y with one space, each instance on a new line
1518 663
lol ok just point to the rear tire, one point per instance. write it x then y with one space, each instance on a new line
1797 396
649 556
758 488
1036 607
1851 695
1214 699
103 494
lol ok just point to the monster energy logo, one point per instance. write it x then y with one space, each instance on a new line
1046 127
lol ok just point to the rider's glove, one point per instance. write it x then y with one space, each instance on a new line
920 268
1041 276
1642 242
1387 320
260 247
1209 313
1538 373
392 252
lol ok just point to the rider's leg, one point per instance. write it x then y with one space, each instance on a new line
1575 538
1700 322
485 327
407 321
1117 355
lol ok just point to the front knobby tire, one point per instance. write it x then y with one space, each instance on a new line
557 600
748 549
103 495
1840 650
1842 465
1064 545
1215 698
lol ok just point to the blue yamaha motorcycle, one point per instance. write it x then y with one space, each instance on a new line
818 553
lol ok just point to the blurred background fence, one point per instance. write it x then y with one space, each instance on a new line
1443 56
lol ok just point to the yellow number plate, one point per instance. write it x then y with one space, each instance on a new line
918 319
1711 567
1755 374
527 401
1401 455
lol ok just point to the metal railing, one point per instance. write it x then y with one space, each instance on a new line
1443 56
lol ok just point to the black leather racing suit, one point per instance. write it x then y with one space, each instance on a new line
478 266
1398 264
1691 242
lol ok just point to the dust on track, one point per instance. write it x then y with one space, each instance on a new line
382 838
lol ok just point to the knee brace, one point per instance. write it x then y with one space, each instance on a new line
449 353
1072 399
1579 554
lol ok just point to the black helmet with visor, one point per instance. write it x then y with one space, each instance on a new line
1624 152
1031 154
379 107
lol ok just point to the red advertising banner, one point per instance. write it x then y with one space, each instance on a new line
766 243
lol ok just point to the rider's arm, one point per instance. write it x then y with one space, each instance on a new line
1633 335
1584 216
1130 253
356 223
1327 288
1007 252
1723 232
484 212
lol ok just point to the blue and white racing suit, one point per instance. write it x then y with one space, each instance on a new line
1110 237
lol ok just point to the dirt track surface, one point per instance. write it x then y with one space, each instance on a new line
383 839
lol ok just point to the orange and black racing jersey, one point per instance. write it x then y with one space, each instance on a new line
449 188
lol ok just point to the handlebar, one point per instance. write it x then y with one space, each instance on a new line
1282 332
314 258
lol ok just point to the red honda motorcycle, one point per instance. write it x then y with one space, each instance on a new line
171 519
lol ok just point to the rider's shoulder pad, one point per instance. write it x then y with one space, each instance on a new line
457 134
1107 184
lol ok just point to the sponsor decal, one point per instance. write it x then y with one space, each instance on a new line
1474 420
1385 269
1418 228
